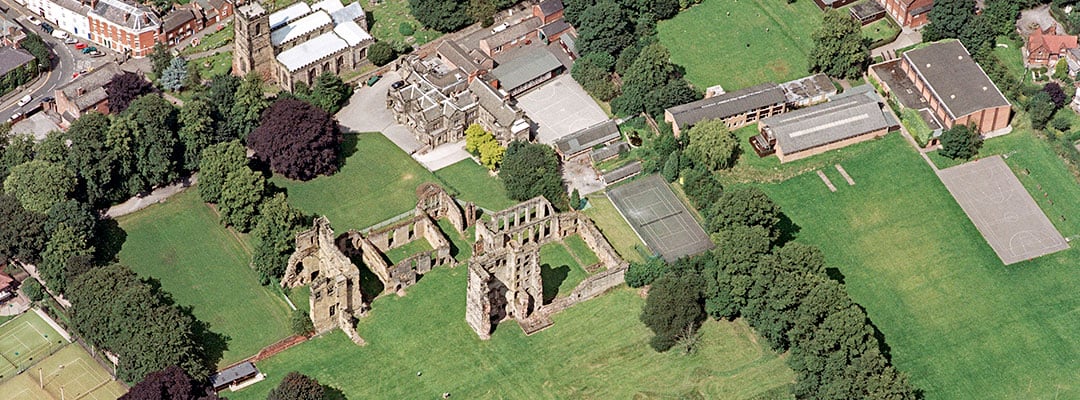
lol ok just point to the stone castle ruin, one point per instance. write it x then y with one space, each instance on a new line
504 272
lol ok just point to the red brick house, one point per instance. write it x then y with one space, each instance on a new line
909 13
1045 47
182 22
123 26
548 10
214 10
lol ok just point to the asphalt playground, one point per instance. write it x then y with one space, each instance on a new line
560 107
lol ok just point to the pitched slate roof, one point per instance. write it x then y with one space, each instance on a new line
555 27
12 58
233 373
825 123
954 78
93 84
727 104
548 7
493 103
130 16
457 56
177 18
585 139
527 66
513 32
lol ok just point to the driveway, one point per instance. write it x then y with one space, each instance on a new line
443 156
578 173
560 107
906 38
367 112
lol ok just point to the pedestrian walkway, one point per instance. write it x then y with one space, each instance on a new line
157 196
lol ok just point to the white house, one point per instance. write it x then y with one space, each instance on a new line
66 15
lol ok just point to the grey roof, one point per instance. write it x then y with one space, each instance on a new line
727 104
217 4
513 32
527 66
493 103
609 151
622 172
351 12
73 5
954 78
813 86
548 7
866 9
288 14
555 27
252 9
131 16
457 56
300 27
233 373
585 139
825 123
176 18
12 58
93 84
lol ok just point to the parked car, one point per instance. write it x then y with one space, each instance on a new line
80 46
59 34
33 20
47 99
71 40
373 79
16 117
24 101
397 85
96 53
46 27
88 50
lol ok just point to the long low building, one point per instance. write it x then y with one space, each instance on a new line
827 126
736 109
582 141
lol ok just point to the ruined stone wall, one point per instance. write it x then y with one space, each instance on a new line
333 278
436 203
503 284
596 242
477 305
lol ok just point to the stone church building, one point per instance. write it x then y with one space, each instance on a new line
298 43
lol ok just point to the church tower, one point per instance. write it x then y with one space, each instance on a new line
252 50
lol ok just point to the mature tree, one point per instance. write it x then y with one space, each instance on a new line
19 149
240 197
160 57
643 273
171 383
275 234
1001 15
380 53
840 49
1062 122
575 199
702 185
22 232
948 19
40 184
77 215
744 206
475 135
482 11
530 170
215 165
221 95
491 154
157 156
52 149
116 310
673 309
979 35
123 89
593 72
605 28
248 106
297 140
483 143
296 386
960 142
92 159
1041 108
712 145
196 131
38 49
193 78
652 83
441 15
670 171
662 9
174 76
32 289
122 142
64 244
330 92
1057 96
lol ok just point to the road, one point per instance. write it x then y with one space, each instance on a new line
66 63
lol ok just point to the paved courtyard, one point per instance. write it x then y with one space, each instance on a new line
1002 210
367 112
560 107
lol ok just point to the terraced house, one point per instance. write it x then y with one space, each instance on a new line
124 27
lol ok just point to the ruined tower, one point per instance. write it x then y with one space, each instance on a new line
252 50
503 284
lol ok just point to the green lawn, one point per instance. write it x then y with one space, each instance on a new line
735 50
386 17
377 182
597 349
751 168
883 30
559 271
473 183
204 266
956 319
409 249
580 250
212 41
614 227
460 244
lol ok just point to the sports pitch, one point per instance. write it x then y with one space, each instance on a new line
25 340
71 371
659 218
1002 210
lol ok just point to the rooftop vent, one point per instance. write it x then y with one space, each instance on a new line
959 57
952 96
984 88
927 65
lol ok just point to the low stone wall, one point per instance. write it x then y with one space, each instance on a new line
589 288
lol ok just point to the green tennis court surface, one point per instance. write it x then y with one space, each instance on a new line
24 341
70 370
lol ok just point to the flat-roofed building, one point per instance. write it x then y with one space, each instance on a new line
956 89
582 141
736 109
531 67
816 129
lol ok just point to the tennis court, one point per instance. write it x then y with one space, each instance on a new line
1002 210
659 218
71 371
24 341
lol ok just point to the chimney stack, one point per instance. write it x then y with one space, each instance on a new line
80 91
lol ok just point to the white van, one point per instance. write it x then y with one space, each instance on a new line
59 34
24 101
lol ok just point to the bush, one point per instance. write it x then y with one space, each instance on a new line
380 53
1061 122
960 142
641 274
33 290
300 323
406 29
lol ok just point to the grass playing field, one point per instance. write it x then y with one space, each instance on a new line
203 265
961 323
473 183
738 44
614 228
377 182
70 370
597 349
25 341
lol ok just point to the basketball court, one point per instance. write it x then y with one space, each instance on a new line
1002 210
659 218
560 107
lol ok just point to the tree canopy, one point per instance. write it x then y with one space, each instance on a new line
171 383
673 310
22 232
960 142
605 28
532 169
297 140
297 386
155 144
215 165
840 49
248 105
652 83
712 146
441 15
123 89
949 19
39 184
175 75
